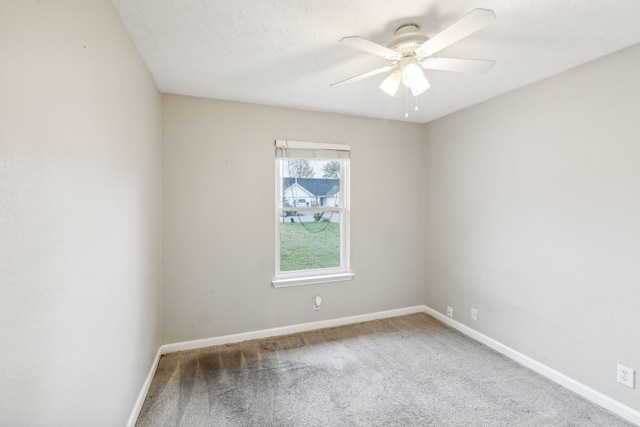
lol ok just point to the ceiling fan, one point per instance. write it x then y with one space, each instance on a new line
409 50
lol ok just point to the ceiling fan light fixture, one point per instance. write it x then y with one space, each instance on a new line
411 74
420 86
391 84
413 78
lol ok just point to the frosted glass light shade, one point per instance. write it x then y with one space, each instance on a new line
411 74
390 84
420 86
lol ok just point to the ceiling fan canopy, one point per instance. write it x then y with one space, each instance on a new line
411 51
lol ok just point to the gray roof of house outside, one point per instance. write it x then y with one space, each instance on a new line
334 190
315 186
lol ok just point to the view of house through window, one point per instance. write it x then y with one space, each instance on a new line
312 209
310 229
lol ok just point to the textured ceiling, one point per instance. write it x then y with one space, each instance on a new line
287 52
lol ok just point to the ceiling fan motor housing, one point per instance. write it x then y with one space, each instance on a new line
407 39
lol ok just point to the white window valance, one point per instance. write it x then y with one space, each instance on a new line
310 150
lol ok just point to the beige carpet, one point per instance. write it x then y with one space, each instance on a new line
404 371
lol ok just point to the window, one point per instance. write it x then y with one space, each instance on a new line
312 213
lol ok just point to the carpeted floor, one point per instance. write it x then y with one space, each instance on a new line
404 371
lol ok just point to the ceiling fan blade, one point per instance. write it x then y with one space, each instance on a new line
468 24
365 75
477 66
391 84
371 47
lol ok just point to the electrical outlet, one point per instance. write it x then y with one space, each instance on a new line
450 312
474 314
626 376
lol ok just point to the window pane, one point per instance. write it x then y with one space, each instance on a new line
310 240
312 208
311 183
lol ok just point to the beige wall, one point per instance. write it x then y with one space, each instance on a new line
79 215
532 217
219 231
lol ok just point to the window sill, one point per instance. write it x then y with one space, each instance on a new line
311 280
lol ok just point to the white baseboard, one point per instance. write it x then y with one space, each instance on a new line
303 327
588 393
143 392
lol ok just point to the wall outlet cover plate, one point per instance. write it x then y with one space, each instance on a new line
626 376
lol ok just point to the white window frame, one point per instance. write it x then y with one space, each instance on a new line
324 275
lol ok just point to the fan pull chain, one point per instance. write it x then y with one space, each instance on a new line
416 109
406 101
